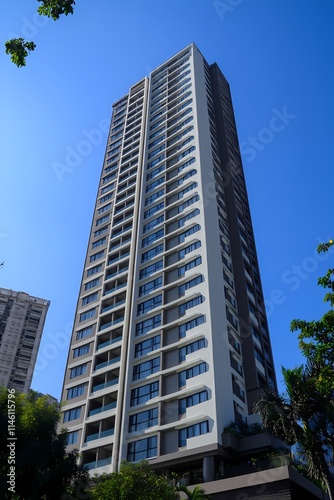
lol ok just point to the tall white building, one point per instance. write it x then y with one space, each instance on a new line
170 342
22 319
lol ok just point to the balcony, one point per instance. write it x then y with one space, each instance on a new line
109 342
111 323
107 363
96 411
105 384
97 463
99 435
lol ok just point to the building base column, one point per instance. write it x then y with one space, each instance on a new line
208 469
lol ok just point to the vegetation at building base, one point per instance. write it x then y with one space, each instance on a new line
19 48
138 481
304 414
33 458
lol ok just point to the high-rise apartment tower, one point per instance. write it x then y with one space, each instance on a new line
22 319
170 342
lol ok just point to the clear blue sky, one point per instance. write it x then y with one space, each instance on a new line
277 56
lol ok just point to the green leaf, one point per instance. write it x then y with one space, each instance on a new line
19 49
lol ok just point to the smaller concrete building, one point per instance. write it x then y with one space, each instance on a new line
22 319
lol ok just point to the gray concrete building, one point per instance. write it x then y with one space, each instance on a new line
22 319
170 342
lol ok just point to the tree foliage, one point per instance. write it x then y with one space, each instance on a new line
43 468
19 48
316 338
304 413
134 481
55 8
196 493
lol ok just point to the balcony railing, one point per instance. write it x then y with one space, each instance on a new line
99 435
105 384
107 363
108 342
111 323
110 406
97 463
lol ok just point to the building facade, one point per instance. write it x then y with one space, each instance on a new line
170 342
22 319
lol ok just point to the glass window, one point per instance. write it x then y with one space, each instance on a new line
188 349
153 223
191 186
190 303
147 325
153 197
108 188
193 430
155 172
92 283
144 393
152 253
80 351
87 315
147 346
74 392
194 371
188 202
150 286
153 163
146 368
155 183
153 210
189 162
79 370
96 256
89 298
186 176
192 400
142 449
143 420
100 231
73 414
189 265
147 271
162 129
190 215
188 249
149 304
189 232
102 220
99 242
189 284
94 270
154 143
104 209
85 332
189 325
152 237
72 437
156 151
105 198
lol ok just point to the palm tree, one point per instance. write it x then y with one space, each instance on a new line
196 494
305 417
